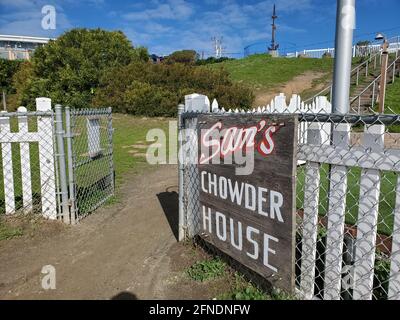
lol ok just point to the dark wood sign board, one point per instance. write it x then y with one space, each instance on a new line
261 239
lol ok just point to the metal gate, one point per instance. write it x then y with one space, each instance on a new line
92 158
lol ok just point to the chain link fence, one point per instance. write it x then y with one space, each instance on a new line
29 181
55 163
92 158
348 204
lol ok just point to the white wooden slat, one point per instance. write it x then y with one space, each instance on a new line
310 219
46 160
8 173
336 219
93 136
362 157
25 164
21 137
394 279
373 137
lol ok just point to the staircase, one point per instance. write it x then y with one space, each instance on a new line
365 80
364 96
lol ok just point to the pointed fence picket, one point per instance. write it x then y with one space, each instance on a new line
44 138
325 143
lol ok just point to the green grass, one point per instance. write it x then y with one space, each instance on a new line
262 71
206 269
8 232
243 290
129 130
392 102
386 201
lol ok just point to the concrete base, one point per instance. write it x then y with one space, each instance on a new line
274 53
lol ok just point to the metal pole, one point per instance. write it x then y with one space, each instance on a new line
71 183
4 101
181 232
345 24
373 94
61 162
382 87
358 76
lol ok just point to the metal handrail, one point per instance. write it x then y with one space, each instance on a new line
356 69
353 71
375 80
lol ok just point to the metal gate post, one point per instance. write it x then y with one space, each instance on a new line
181 226
70 165
61 163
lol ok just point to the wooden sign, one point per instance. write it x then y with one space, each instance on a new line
250 216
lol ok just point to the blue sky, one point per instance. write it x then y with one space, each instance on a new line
168 25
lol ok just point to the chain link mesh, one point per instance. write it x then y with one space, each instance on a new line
348 204
92 157
29 182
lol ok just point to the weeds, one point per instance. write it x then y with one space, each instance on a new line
206 270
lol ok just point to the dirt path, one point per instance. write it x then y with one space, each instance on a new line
126 247
297 85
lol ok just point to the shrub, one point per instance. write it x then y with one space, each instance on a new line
156 89
206 269
183 56
68 70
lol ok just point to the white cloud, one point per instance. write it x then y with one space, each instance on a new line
23 17
171 9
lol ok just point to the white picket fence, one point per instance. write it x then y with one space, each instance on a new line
315 149
357 51
44 137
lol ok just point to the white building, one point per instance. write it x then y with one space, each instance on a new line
19 47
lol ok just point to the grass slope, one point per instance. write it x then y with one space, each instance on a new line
263 71
392 102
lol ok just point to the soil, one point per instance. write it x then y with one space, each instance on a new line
126 250
297 85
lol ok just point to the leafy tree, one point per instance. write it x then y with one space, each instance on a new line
7 70
183 56
68 69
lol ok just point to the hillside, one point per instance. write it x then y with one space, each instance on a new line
392 102
268 76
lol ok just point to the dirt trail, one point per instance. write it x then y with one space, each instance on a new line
127 247
297 85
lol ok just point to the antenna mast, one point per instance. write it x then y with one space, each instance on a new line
273 49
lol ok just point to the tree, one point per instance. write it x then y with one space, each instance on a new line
7 70
68 69
184 56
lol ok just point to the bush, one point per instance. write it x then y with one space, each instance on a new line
212 60
68 70
141 99
156 89
183 56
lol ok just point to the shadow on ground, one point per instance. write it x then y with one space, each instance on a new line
125 296
169 201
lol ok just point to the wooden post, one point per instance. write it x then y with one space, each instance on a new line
310 219
46 160
370 182
336 218
382 89
25 164
8 173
